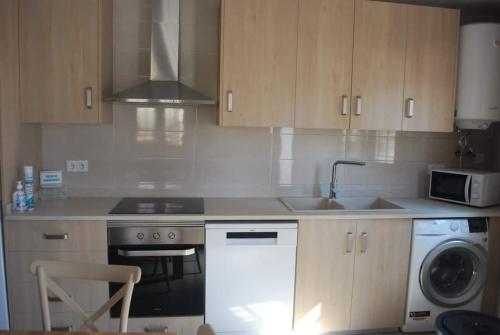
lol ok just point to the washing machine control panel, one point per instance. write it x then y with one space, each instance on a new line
451 226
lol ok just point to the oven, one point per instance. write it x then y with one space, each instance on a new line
172 259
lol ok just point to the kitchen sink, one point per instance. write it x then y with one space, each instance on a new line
321 205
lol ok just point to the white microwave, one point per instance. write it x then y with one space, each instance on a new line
468 187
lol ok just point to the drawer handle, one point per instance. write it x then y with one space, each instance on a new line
344 105
64 236
159 329
56 299
350 243
62 329
364 242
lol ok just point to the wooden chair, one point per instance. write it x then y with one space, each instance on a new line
46 270
205 329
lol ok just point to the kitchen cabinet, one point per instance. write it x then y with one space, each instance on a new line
324 275
351 274
258 63
380 274
355 64
431 68
65 60
78 241
324 63
491 298
378 65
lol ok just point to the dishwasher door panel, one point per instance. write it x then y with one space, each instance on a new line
250 278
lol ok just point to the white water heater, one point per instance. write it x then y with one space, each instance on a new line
478 96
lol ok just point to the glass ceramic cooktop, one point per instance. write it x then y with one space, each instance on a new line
159 206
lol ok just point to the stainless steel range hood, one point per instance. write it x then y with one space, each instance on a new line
164 86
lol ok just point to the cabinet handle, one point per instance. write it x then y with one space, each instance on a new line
62 329
159 329
364 242
344 105
64 236
410 103
359 102
54 299
88 97
230 101
350 242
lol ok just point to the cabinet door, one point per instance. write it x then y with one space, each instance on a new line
59 48
325 262
378 65
324 63
380 274
431 68
258 62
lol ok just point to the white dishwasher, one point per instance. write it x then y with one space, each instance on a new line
250 276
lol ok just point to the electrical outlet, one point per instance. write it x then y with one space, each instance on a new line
77 166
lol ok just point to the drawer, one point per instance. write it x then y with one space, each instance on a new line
90 295
55 236
18 263
33 321
186 325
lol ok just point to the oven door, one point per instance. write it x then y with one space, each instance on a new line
172 283
450 186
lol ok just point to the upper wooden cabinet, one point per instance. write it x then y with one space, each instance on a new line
359 269
378 65
66 60
356 64
431 68
258 62
324 63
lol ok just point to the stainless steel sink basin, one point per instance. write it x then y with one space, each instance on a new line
321 205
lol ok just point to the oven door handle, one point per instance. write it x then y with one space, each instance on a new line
156 253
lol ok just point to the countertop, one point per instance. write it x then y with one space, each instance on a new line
244 209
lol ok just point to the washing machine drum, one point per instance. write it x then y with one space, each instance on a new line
453 273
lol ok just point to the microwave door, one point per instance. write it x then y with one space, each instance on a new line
450 186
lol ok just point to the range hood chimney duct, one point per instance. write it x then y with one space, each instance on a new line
164 87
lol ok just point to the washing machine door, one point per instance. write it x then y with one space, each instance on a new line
453 273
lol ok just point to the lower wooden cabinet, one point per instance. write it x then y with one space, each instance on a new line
78 241
351 274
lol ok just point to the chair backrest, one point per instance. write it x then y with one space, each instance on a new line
46 270
205 329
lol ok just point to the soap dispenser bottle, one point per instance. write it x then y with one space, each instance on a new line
19 198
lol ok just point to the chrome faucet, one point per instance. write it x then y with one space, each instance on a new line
333 183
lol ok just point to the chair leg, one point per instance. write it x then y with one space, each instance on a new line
157 261
164 267
198 261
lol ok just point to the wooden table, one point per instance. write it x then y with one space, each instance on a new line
75 333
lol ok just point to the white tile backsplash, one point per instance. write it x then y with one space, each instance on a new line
164 151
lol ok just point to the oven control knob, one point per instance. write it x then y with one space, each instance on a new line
140 236
171 235
454 226
156 236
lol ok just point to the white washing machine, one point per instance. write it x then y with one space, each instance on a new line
447 269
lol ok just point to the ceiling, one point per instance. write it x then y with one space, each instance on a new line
471 10
464 4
